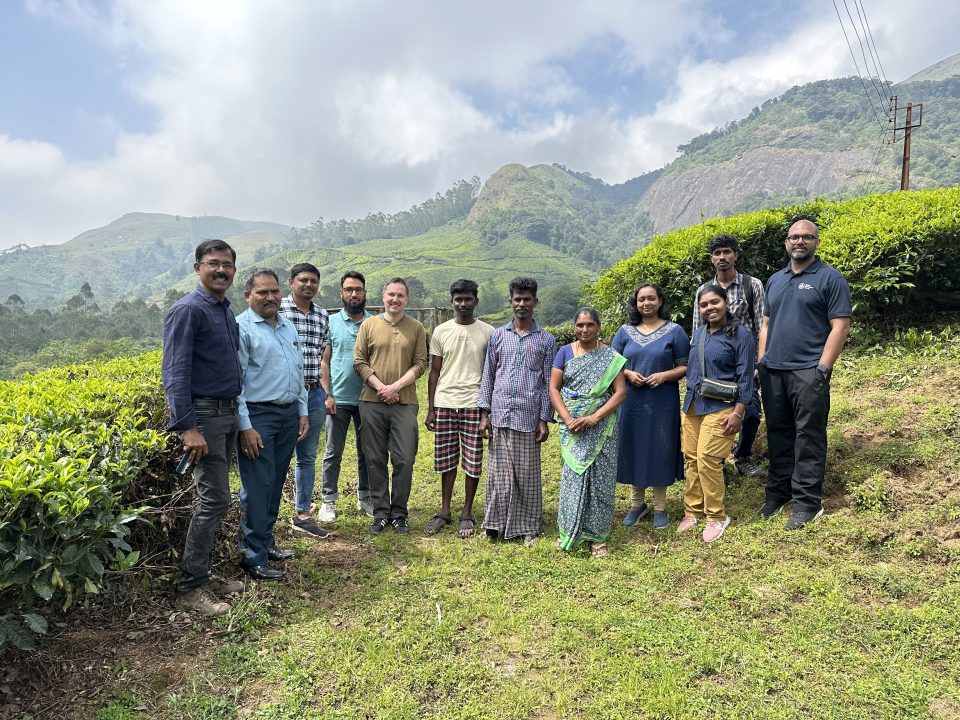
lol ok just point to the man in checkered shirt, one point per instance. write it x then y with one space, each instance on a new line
312 325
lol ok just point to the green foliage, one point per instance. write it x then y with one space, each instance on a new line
70 440
895 250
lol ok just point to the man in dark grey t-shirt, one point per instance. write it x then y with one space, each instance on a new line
806 322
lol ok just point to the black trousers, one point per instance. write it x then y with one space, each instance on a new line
797 404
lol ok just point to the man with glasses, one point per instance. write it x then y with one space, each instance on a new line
343 387
806 322
311 323
201 377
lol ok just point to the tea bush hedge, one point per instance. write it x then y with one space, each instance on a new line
70 440
895 249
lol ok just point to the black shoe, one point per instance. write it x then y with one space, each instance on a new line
492 535
377 526
746 467
799 518
279 555
309 527
263 572
400 526
771 508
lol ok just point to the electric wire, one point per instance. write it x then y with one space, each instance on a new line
857 66
863 54
883 75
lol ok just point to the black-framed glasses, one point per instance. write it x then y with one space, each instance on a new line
801 238
215 265
353 291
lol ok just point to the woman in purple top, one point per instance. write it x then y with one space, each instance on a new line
656 350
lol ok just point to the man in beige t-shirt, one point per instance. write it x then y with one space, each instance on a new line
457 351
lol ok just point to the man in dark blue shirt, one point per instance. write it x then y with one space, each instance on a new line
805 324
201 377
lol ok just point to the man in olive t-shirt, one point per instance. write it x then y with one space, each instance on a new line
457 351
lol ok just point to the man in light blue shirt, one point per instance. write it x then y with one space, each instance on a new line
272 418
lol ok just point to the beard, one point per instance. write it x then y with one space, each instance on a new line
355 306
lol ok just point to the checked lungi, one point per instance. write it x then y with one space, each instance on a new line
457 435
513 503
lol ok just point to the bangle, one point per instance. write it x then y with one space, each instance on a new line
734 412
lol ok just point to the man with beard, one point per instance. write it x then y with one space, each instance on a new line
745 302
343 394
514 401
390 354
457 350
273 418
311 323
807 321
201 377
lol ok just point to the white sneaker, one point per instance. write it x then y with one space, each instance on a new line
327 513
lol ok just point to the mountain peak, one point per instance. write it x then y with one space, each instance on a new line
946 68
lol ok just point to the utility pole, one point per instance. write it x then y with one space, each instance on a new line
907 127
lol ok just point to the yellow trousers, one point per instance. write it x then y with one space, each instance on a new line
704 449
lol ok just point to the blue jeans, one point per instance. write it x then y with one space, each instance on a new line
306 473
262 478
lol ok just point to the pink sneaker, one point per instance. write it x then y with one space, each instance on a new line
689 522
714 529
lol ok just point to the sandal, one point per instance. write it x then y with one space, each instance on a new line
599 550
437 523
467 527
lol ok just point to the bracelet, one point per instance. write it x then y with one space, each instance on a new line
734 412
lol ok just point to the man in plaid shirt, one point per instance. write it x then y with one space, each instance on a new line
723 256
312 325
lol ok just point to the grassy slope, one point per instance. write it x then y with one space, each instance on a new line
856 617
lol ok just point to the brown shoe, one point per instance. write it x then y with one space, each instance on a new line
200 600
221 587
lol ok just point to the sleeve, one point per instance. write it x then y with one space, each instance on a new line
837 296
562 357
420 357
488 375
619 341
696 321
436 347
243 353
766 294
179 330
549 353
681 347
745 357
361 353
759 306
303 397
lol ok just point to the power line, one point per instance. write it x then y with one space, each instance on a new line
857 66
863 53
866 22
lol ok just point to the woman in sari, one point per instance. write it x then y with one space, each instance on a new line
586 388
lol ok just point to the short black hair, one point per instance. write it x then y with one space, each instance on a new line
353 274
731 325
725 240
523 284
463 287
634 314
304 267
396 281
214 245
594 315
254 274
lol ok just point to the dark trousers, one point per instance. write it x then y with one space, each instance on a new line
797 404
389 430
337 427
262 478
748 431
217 422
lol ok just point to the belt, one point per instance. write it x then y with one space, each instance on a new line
270 404
219 403
313 386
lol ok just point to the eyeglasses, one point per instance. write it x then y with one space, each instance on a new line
801 238
353 291
214 265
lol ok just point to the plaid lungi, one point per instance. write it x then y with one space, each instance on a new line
513 502
456 427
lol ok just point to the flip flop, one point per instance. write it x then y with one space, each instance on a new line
437 523
467 527
599 550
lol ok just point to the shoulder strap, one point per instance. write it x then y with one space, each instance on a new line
700 344
748 296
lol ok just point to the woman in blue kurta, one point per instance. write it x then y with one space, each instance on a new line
656 350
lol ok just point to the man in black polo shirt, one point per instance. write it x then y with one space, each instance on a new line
807 320
201 376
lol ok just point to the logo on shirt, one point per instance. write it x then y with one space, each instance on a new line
805 286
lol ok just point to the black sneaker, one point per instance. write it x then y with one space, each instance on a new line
309 526
746 468
400 525
377 526
799 518
771 508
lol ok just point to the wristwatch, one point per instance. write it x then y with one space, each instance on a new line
825 370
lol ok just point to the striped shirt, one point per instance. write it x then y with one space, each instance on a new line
312 327
736 303
515 382
725 358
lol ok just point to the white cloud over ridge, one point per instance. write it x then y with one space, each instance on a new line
290 111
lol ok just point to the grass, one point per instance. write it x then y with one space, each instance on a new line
856 617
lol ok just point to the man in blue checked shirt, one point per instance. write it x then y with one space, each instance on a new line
272 417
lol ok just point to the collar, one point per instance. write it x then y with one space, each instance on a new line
737 280
811 268
210 297
343 315
288 303
536 328
259 319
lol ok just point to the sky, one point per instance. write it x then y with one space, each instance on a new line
294 110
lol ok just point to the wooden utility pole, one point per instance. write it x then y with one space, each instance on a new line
907 127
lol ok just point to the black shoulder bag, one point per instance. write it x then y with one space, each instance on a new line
714 389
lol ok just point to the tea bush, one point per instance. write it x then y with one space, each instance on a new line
895 250
71 439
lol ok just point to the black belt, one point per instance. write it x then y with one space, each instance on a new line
270 404
313 386
219 403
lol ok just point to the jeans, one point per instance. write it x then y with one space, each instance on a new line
797 405
262 478
217 422
393 430
337 427
306 471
